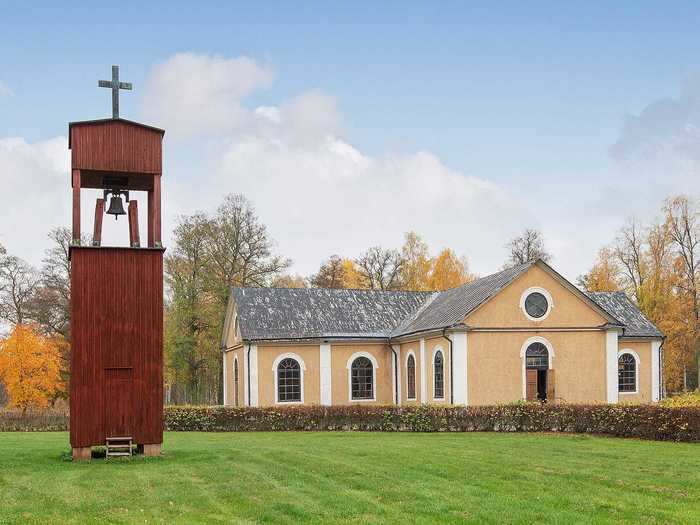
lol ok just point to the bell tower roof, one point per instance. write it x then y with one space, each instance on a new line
103 149
117 156
102 121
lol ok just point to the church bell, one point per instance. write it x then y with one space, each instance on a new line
116 207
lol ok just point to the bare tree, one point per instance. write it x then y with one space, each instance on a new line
289 281
380 268
211 254
331 274
239 247
684 228
52 299
629 252
191 317
528 247
18 285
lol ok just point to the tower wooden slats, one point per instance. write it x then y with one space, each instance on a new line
116 387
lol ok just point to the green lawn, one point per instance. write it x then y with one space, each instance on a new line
355 478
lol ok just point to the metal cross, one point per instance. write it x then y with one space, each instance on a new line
115 86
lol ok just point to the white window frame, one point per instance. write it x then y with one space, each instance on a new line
375 366
302 368
637 362
437 349
547 295
415 376
523 357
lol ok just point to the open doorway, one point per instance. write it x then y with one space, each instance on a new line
537 371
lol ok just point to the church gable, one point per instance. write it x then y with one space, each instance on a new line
539 298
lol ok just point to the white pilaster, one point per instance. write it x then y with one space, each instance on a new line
325 382
244 370
423 374
460 389
224 379
611 365
253 351
396 373
655 367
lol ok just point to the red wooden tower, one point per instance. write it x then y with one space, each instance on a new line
116 386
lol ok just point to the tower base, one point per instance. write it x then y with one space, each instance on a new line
82 454
152 449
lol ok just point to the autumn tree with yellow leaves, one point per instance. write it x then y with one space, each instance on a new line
410 268
658 266
30 368
448 271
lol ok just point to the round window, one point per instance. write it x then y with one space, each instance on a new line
536 305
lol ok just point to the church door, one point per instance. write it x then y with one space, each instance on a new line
118 409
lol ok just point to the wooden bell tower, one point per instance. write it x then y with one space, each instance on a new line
116 384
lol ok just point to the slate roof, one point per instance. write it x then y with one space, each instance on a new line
313 313
308 313
619 305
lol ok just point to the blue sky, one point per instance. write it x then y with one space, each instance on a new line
529 97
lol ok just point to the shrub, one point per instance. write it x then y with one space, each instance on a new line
688 399
639 421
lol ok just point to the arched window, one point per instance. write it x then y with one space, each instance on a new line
411 377
438 376
235 382
626 373
288 381
537 357
362 379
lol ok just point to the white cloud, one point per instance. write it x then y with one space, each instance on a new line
315 190
320 194
5 91
36 193
192 94
661 145
37 198
330 198
666 127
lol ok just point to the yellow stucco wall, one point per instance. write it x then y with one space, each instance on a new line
309 354
339 374
228 360
495 370
643 351
503 310
228 363
431 345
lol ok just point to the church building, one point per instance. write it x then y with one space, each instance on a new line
525 333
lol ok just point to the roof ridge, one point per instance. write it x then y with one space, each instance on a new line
510 268
310 288
408 320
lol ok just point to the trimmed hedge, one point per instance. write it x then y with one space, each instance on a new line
637 421
51 420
